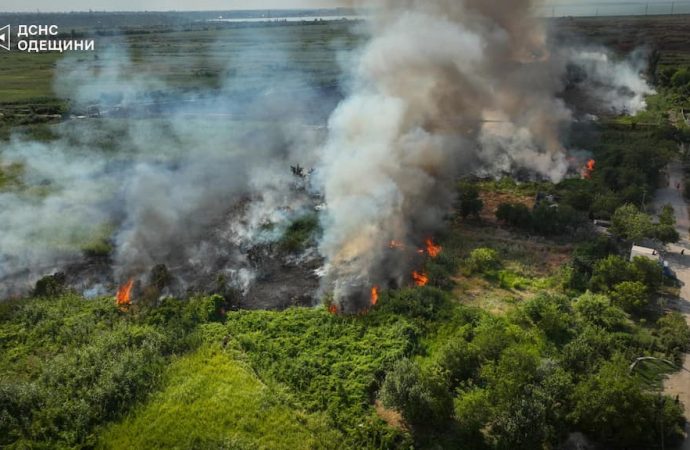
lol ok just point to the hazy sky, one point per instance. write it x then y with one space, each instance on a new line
151 5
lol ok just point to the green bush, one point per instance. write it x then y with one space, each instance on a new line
422 398
470 203
51 285
611 407
629 223
674 335
631 296
482 260
598 310
514 214
299 233
459 361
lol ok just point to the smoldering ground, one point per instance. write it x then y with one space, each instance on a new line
441 88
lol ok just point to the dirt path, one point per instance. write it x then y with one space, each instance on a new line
678 384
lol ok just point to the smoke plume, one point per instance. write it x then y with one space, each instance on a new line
442 88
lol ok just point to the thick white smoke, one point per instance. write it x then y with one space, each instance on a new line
162 186
442 86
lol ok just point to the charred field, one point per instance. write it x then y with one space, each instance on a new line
324 235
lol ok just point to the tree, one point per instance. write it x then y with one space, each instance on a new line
552 314
421 398
681 78
674 334
459 360
514 214
631 296
665 231
646 271
608 272
470 203
611 407
666 234
51 285
629 223
667 216
598 310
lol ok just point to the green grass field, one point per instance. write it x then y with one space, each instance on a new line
213 399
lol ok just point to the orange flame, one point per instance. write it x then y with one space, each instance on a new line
420 279
124 294
589 169
374 295
432 249
333 308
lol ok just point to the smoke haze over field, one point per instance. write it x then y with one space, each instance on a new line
442 88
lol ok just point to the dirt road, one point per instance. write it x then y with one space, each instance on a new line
678 384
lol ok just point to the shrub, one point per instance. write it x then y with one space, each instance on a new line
611 407
552 314
631 296
674 335
482 260
470 203
421 398
514 214
51 285
598 310
629 223
666 233
298 233
459 361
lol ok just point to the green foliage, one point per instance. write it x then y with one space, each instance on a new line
441 269
552 314
610 406
631 296
458 361
629 223
613 270
50 285
299 233
537 415
597 310
544 219
77 364
470 203
681 78
212 399
666 233
674 335
422 398
647 271
667 216
514 214
577 193
552 220
332 362
482 260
